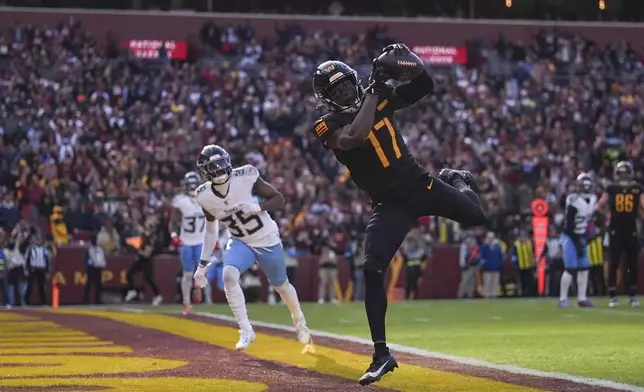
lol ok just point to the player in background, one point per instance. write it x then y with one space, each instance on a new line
215 273
580 206
190 216
625 198
231 196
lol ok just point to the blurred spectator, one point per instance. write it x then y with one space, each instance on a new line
58 227
596 259
37 264
358 259
469 260
523 258
414 251
492 259
328 274
3 280
554 259
143 263
9 212
96 263
108 238
16 275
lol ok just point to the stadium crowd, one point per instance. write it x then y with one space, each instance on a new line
94 140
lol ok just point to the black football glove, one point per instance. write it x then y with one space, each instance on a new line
377 78
399 49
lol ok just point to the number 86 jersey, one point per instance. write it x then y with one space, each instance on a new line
255 230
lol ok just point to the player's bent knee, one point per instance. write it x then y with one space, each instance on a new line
477 217
230 276
283 288
372 269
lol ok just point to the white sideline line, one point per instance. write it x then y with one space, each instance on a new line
595 382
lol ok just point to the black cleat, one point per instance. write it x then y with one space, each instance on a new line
450 175
378 368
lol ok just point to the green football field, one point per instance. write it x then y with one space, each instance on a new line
600 342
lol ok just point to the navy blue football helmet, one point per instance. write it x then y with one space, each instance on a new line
214 164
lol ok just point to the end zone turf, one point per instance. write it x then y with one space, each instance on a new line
157 352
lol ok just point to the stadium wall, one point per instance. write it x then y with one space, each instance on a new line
440 277
178 25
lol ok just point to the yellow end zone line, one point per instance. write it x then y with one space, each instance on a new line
326 360
57 343
15 316
30 325
49 339
58 332
63 350
149 384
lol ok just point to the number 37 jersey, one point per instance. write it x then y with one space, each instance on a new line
193 221
383 162
256 230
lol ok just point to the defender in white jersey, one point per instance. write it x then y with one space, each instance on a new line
579 211
193 223
232 196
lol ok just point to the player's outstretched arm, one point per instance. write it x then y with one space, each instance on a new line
601 203
210 237
273 199
174 225
407 94
354 135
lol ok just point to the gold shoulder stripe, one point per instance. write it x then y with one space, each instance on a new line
321 128
382 104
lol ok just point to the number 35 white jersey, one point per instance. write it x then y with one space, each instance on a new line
193 221
256 230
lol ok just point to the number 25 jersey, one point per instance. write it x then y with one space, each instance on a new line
255 230
383 162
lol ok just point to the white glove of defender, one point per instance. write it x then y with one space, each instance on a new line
200 276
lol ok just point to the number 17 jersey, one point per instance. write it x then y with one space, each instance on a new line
255 230
383 162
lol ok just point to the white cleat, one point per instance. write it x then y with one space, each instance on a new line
612 303
302 331
130 295
157 300
634 302
245 339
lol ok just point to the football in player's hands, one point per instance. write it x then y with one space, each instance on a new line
399 62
